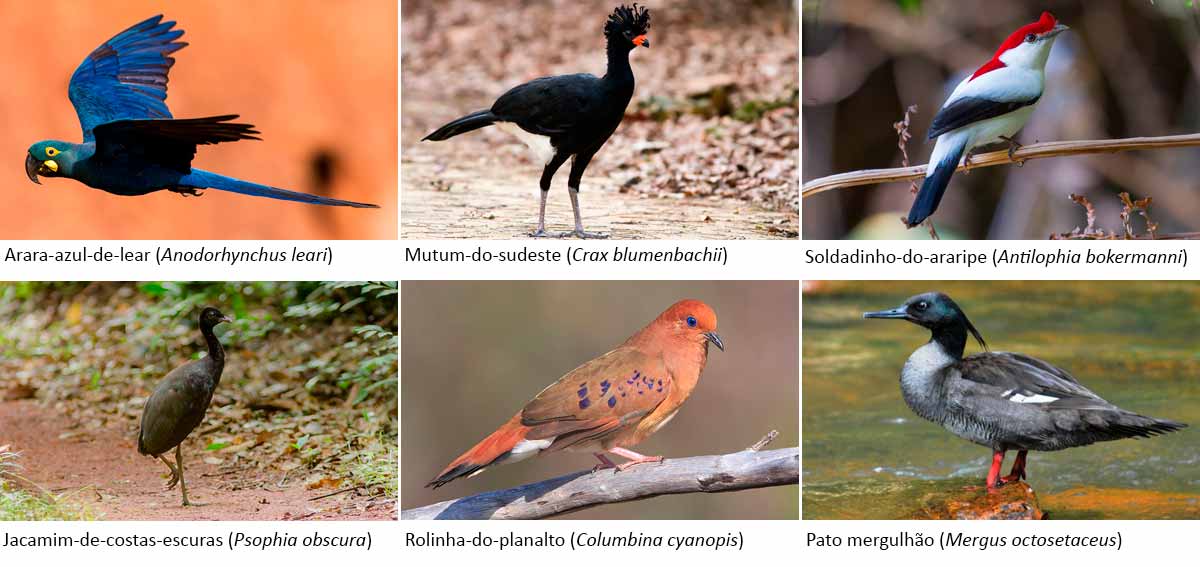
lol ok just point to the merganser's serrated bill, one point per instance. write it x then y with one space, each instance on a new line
989 106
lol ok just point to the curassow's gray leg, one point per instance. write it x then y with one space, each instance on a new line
578 164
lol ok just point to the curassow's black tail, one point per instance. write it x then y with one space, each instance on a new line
472 121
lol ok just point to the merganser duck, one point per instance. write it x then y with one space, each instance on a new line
1003 400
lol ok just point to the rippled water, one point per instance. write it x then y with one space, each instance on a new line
1136 344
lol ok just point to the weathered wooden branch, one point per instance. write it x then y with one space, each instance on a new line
1031 151
711 473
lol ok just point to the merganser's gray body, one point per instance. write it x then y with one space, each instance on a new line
1003 400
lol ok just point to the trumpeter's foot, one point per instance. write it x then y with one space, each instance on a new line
539 233
194 503
171 482
583 234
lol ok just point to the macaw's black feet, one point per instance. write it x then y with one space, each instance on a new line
583 234
186 191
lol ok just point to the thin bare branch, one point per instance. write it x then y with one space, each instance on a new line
1028 152
711 473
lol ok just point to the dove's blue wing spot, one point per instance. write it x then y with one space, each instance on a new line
126 77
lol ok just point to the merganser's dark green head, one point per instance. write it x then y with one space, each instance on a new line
934 311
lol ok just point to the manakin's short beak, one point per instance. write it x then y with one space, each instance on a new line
31 168
715 339
897 313
642 41
1057 29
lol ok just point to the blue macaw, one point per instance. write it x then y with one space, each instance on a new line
131 143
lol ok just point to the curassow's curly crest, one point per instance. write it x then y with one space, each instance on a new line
635 21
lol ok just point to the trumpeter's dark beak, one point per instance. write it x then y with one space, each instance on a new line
897 313
226 319
715 339
31 168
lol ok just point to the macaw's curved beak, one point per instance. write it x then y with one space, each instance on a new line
715 339
642 41
31 168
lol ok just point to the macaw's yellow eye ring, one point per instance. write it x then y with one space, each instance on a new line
51 151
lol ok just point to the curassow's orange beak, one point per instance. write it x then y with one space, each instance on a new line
642 41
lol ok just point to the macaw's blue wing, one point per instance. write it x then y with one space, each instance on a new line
127 144
126 77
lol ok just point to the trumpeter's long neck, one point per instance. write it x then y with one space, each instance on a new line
216 353
619 72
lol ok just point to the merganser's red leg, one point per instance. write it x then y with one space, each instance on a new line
1018 469
994 472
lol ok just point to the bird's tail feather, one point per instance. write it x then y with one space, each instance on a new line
935 184
207 180
472 121
492 449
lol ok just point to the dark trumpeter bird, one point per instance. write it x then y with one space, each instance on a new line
1003 400
180 401
568 116
131 143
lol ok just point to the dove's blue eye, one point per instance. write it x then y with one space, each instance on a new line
691 321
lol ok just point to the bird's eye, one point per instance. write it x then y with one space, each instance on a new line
51 152
691 321
922 305
1030 38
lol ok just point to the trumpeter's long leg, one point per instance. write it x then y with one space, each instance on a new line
579 164
634 457
182 482
994 472
174 473
547 175
1018 469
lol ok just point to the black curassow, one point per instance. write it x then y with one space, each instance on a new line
568 116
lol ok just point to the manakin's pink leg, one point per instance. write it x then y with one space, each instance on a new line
634 458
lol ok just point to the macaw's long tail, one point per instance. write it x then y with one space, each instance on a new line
506 444
201 179
942 163
472 121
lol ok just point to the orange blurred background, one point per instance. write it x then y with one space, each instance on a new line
316 77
